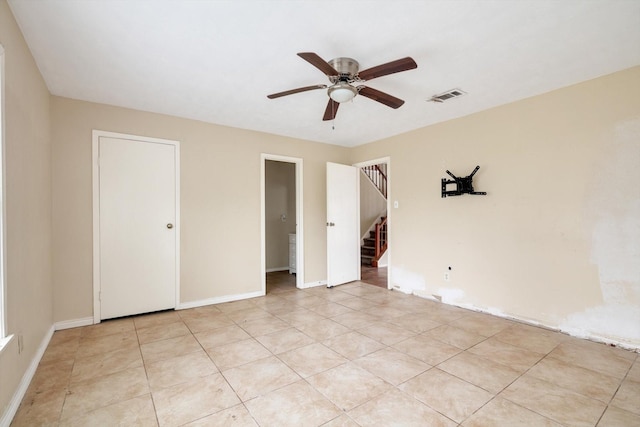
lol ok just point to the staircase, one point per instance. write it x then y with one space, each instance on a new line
375 245
378 176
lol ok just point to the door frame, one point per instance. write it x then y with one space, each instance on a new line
299 219
386 160
95 166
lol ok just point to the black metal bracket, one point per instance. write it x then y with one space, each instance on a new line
463 185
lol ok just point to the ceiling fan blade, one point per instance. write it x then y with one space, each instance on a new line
396 66
298 90
381 97
331 110
319 63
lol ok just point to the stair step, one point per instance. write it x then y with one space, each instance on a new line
366 259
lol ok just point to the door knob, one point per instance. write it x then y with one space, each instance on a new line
169 225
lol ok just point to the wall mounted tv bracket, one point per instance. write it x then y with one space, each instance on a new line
463 185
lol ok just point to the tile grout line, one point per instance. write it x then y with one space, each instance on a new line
378 337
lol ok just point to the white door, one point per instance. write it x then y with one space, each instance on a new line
343 224
137 226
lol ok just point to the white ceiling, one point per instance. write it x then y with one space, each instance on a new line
216 61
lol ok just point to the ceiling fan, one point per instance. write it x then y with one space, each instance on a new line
343 73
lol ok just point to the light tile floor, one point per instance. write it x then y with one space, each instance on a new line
355 355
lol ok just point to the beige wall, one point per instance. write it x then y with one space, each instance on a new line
557 238
280 198
28 206
543 246
220 201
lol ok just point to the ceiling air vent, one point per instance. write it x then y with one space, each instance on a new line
445 96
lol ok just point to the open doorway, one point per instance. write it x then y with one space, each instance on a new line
374 221
282 237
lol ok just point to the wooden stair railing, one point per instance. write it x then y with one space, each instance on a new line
377 177
381 241
375 245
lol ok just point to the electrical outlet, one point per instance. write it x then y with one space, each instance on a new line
20 344
447 276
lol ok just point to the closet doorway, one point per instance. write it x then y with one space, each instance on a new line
282 231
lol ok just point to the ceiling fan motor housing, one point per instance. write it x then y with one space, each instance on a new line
347 69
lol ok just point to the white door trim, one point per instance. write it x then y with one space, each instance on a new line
96 135
299 219
386 160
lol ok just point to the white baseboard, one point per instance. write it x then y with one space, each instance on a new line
218 300
314 284
74 323
12 408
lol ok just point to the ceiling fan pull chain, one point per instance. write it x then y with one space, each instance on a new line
333 121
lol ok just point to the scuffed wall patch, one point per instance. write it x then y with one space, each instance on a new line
614 213
614 322
450 295
414 283
408 281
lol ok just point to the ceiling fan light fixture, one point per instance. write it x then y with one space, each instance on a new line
342 92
